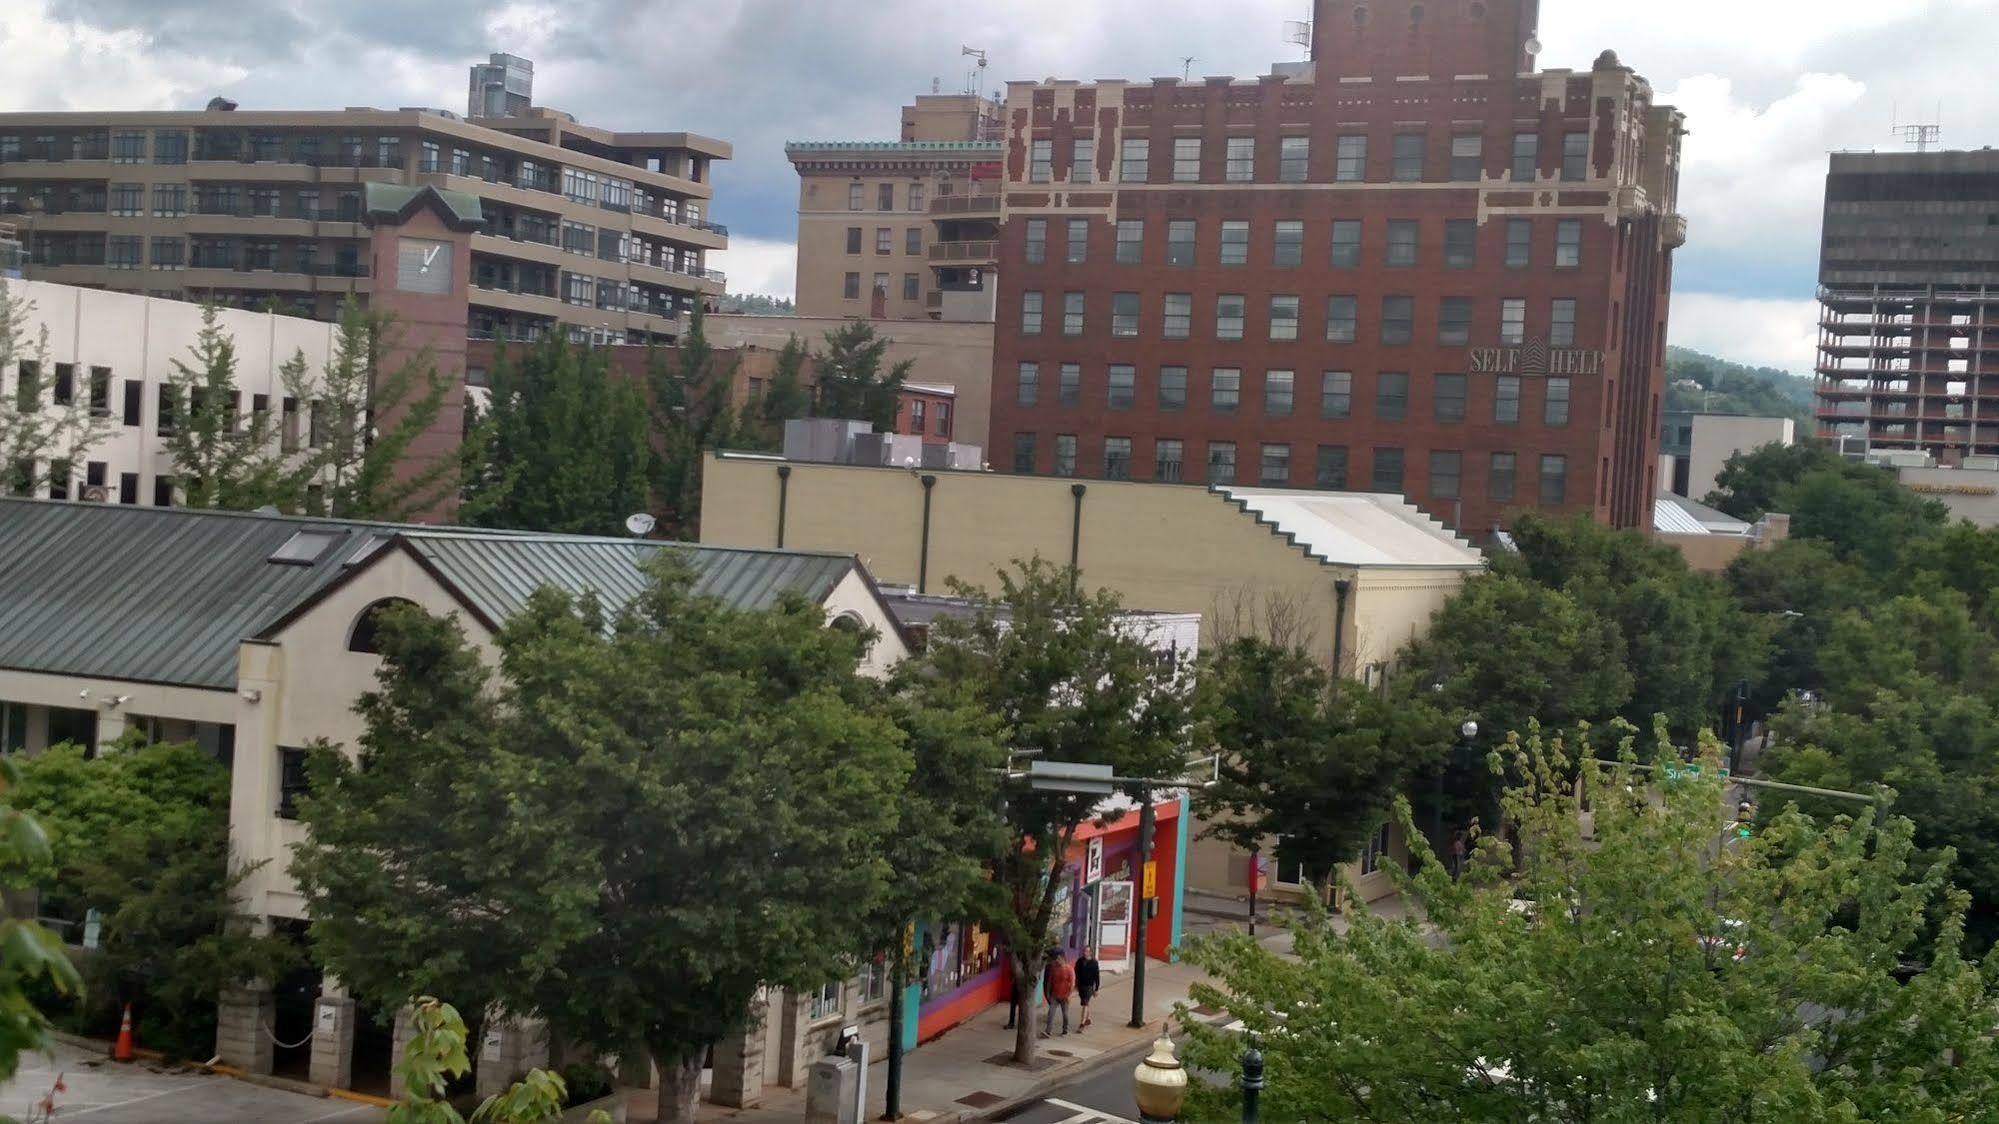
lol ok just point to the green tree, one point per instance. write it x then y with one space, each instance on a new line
693 801
1308 759
1861 511
693 411
32 959
1073 681
1651 975
1705 384
786 399
140 834
562 445
435 1054
221 458
852 380
1751 482
370 421
39 437
1797 589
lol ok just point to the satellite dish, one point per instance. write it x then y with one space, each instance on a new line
641 524
1533 46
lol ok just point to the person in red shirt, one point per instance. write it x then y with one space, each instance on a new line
1059 985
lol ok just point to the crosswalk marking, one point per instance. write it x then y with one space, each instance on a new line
1085 1114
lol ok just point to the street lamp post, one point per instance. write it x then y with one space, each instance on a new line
1252 1085
1467 730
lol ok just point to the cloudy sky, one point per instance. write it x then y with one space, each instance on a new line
1769 87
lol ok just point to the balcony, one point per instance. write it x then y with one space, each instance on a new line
968 253
976 204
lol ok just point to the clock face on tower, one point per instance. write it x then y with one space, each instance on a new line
423 266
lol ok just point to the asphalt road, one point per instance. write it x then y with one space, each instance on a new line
102 1092
1101 1098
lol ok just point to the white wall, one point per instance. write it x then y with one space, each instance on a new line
138 337
1718 437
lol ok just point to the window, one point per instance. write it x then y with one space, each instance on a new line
100 392
1134 160
1554 480
1130 241
1526 156
1467 157
1178 317
128 488
1072 314
1241 160
1277 393
163 491
1040 161
1274 466
1172 388
134 405
884 240
1030 312
1519 243
1387 470
912 241
1065 454
429 157
1180 242
1288 245
1166 459
1294 157
65 384
915 196
1228 316
1575 156
1568 244
1023 453
1512 321
1186 159
60 472
1079 160
1499 480
1283 316
1123 386
825 1002
1460 243
292 782
1028 388
850 287
1069 384
170 147
885 197
1079 241
1402 242
1397 319
1036 249
1221 462
1506 400
1454 321
169 199
874 980
1446 466
1408 157
1336 394
912 287
1350 165
1124 314
461 165
124 251
1235 242
1562 322
1225 389
1448 397
1330 468
857 194
365 634
128 147
1391 395
1117 458
1346 243
1342 318
1555 410
1375 851
128 199
916 416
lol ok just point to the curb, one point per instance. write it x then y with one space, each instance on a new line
283 1084
1060 1075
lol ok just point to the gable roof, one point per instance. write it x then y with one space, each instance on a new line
460 210
1360 529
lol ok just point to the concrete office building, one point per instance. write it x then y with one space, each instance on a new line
1413 264
603 233
1695 447
902 230
1909 296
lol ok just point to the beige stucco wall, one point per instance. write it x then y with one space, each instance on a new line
823 260
957 354
1718 437
1968 493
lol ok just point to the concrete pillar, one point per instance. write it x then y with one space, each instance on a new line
508 1051
110 727
636 1071
333 1042
739 1063
405 1030
789 1008
241 1019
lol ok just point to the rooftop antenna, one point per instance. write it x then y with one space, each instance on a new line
1920 136
977 79
1186 68
1298 33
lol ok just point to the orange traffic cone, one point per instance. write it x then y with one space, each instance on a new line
122 1050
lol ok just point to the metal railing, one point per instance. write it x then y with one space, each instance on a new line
962 251
972 203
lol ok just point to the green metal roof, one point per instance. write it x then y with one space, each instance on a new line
496 575
149 595
462 210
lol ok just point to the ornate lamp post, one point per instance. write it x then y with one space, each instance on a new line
1159 1084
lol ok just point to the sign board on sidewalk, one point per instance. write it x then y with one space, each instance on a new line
1093 861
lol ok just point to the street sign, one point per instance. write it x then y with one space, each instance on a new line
1678 772
1151 882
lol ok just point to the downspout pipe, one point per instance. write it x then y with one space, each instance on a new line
1341 588
1076 534
783 494
923 550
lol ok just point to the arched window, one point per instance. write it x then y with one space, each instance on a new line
362 637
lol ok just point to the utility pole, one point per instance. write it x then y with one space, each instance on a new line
1144 906
892 1095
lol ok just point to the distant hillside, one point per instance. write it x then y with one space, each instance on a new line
1721 387
755 304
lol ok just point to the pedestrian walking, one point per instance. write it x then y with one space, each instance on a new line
1089 977
1012 995
1059 986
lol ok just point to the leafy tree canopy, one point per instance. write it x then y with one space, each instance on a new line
855 379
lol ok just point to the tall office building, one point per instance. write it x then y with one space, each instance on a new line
1414 263
605 234
1909 293
502 86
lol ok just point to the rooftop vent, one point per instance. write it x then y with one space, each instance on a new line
221 105
307 547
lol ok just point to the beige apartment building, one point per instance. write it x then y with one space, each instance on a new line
884 226
605 233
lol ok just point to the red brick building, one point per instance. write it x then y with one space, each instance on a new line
1414 263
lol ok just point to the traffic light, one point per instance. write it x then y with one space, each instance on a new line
1745 816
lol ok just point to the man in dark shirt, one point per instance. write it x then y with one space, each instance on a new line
1088 979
